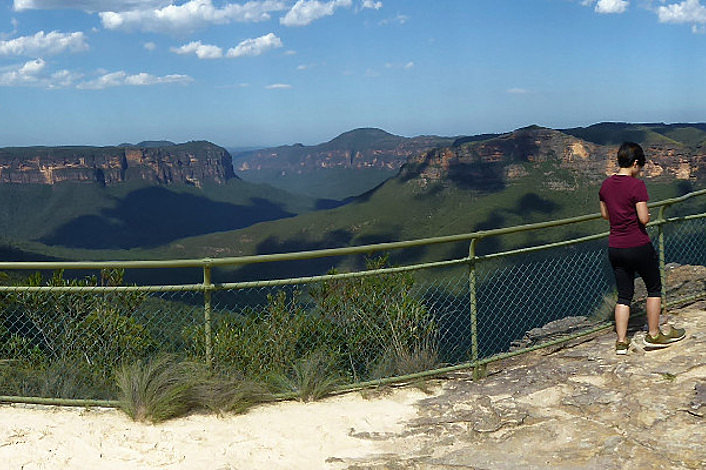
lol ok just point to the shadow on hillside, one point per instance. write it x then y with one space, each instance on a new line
477 176
318 266
527 206
534 203
154 216
325 204
608 133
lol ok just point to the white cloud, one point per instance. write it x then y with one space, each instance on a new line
121 78
290 52
202 51
189 16
399 19
406 66
612 6
371 4
32 67
26 74
279 86
34 74
63 79
256 46
687 11
90 6
518 91
150 46
248 47
43 44
306 11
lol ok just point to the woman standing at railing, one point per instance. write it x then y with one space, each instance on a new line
623 199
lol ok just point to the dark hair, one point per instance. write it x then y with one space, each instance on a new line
629 153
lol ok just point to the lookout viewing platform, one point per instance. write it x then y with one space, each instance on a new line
575 405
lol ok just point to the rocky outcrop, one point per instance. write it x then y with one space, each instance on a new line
193 163
576 405
510 157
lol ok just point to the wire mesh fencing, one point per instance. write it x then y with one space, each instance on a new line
64 336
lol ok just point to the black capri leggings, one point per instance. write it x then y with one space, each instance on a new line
626 262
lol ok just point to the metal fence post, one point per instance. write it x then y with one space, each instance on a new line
662 271
478 370
207 288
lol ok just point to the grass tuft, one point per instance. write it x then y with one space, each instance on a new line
312 377
159 389
230 395
408 359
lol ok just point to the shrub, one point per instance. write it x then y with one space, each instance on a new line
92 329
259 344
379 318
364 327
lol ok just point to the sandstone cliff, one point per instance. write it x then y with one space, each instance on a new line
191 163
504 159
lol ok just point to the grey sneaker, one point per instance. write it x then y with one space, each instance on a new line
621 347
659 341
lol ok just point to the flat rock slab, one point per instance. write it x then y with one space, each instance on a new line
573 407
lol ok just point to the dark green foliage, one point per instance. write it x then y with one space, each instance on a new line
355 328
259 344
15 347
60 342
379 318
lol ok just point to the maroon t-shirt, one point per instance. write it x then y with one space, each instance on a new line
620 194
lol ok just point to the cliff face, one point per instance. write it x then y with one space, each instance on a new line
191 163
357 149
509 157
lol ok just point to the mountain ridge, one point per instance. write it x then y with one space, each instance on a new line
194 163
362 148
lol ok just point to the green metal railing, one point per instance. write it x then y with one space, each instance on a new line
372 323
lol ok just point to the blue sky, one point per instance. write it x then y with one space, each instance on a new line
271 72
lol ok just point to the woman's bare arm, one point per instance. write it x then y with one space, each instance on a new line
643 213
604 211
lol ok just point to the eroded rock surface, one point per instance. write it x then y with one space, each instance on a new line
571 407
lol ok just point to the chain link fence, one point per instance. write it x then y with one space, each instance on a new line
63 335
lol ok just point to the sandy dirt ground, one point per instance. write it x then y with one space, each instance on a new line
288 435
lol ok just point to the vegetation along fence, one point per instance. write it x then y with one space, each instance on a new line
65 327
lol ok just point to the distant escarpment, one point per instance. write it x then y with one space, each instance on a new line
193 163
366 148
562 159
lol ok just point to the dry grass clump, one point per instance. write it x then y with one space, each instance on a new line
311 378
159 389
230 395
164 387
